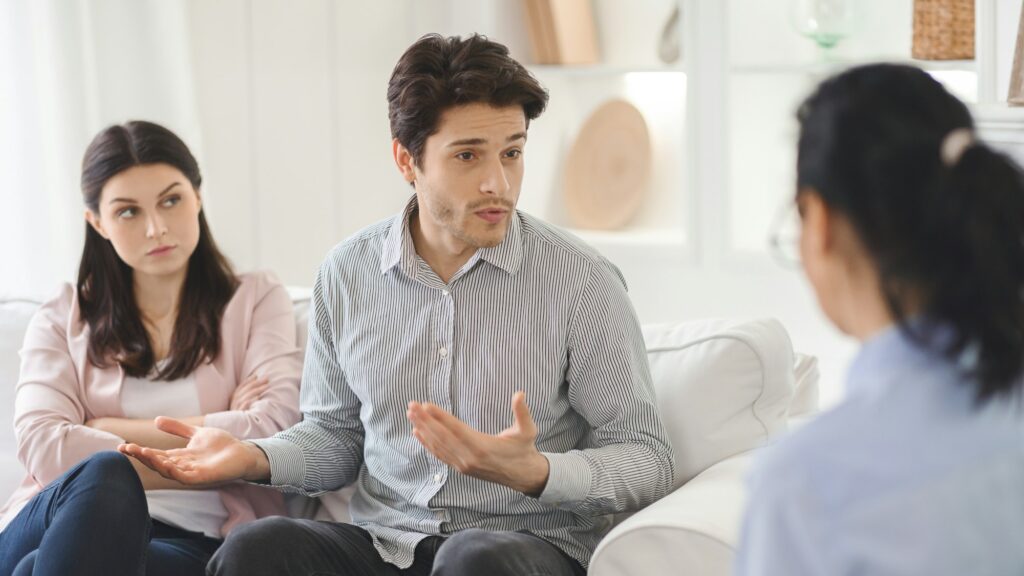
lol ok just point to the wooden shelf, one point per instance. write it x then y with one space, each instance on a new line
826 67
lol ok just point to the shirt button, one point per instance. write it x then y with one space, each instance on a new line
443 352
445 292
437 478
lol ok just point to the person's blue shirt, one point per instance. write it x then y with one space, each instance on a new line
908 476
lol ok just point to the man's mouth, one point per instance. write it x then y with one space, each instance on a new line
492 215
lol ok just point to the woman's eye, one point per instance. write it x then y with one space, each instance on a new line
171 201
126 213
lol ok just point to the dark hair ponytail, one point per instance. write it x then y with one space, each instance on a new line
105 283
944 230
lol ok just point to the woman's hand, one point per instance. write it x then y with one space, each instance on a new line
212 456
248 392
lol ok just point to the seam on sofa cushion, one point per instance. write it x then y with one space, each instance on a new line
730 336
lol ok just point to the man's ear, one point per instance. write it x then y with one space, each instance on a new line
94 220
404 160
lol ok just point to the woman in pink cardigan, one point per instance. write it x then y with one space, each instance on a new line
158 324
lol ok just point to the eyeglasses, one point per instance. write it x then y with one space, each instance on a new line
784 237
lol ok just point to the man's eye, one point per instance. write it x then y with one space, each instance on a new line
464 155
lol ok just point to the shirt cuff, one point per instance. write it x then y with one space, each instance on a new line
569 477
287 465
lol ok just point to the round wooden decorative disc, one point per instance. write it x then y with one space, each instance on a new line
609 167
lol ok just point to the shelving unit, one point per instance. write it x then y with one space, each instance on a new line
658 90
722 118
759 153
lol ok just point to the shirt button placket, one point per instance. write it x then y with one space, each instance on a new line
442 384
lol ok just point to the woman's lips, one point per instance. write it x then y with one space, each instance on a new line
160 250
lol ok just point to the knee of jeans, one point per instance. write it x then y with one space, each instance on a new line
26 565
114 473
106 488
253 548
475 551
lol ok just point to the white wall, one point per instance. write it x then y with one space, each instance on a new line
67 70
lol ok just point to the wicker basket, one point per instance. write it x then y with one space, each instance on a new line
943 29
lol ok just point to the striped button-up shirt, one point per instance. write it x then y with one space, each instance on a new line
541 312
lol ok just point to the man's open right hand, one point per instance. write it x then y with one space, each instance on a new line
212 456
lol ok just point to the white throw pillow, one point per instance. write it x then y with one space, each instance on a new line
723 387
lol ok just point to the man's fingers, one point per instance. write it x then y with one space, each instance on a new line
441 450
521 413
167 464
148 457
175 427
464 432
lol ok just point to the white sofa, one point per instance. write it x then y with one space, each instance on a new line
724 388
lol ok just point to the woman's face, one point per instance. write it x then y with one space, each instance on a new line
820 257
150 214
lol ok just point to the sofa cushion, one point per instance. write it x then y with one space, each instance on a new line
15 314
723 387
691 532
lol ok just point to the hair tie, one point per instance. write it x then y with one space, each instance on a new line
955 144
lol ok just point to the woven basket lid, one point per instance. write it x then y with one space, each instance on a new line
609 167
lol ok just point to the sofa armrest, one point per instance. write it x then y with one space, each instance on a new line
692 531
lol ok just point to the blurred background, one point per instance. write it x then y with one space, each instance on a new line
284 105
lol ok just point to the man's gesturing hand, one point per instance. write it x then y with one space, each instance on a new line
510 458
212 456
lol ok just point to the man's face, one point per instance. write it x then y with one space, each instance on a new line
469 175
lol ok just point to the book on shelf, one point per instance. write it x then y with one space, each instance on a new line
562 31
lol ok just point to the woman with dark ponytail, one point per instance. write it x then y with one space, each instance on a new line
913 237
158 324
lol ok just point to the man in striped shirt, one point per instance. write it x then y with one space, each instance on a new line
478 374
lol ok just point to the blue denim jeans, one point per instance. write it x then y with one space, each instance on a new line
94 520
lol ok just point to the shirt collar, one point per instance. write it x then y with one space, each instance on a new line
921 342
398 246
399 249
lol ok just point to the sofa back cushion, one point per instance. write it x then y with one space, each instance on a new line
723 387
14 317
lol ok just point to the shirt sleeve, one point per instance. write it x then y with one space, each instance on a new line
271 352
630 462
324 451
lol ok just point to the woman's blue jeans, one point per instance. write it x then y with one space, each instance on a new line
94 520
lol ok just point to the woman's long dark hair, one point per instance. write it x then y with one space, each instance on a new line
947 232
105 290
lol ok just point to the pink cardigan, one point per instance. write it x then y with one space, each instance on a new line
59 390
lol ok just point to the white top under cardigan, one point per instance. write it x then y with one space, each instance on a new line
193 510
